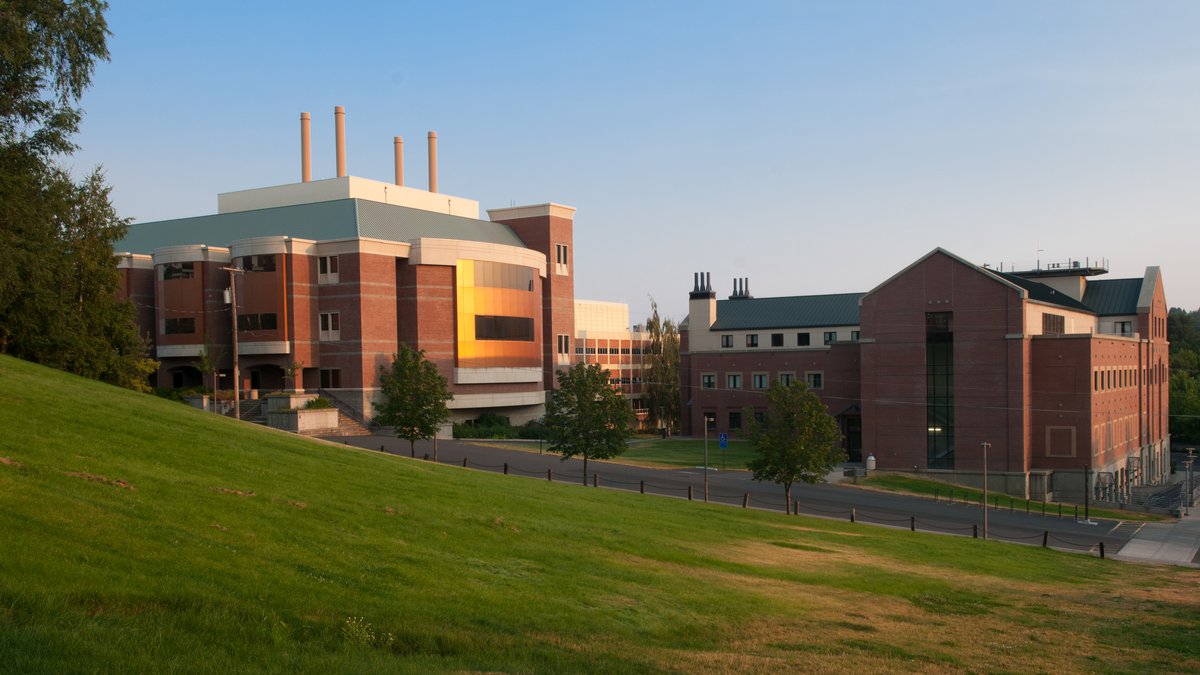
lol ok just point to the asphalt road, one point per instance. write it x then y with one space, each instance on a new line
735 488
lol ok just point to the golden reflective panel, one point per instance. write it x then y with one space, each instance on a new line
496 296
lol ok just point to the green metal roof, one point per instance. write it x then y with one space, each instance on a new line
320 221
802 311
1113 296
1043 293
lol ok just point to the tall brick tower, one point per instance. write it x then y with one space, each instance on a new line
549 228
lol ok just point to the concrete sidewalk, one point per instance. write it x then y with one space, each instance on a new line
1175 543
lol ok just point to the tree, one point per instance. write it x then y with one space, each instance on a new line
796 440
414 398
208 363
294 368
586 416
661 388
58 276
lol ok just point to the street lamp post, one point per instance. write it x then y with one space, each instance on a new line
985 445
706 458
237 384
1191 457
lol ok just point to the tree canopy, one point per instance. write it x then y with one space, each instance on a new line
58 277
661 372
586 417
414 397
796 439
1183 330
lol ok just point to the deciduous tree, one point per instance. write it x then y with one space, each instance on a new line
586 417
58 275
796 439
661 376
414 397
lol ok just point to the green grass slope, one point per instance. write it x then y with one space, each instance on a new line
137 535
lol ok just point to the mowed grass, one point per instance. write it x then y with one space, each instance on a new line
658 452
907 484
137 535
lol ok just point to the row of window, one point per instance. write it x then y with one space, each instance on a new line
814 379
777 339
624 380
735 419
327 267
1107 380
608 350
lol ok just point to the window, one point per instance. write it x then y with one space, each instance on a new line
502 275
562 259
708 381
603 350
185 270
184 325
726 341
710 421
830 336
564 344
327 269
513 328
733 381
637 351
815 380
735 421
331 378
578 349
1053 324
624 351
939 390
1123 327
759 380
752 340
258 263
787 379
802 339
776 339
854 335
591 350
331 326
248 322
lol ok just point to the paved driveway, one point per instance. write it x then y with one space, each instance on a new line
838 501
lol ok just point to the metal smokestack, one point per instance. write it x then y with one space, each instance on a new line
433 161
398 141
339 120
305 148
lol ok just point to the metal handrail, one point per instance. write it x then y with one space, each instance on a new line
347 409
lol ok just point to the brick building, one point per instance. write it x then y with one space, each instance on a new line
336 273
1064 377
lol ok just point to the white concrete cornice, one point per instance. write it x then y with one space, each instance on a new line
532 211
134 261
190 253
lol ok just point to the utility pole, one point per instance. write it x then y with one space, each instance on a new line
985 445
237 384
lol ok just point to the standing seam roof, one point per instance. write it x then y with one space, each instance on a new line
790 312
319 221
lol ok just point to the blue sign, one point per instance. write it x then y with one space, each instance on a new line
724 440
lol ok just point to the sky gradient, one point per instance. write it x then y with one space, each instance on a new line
813 147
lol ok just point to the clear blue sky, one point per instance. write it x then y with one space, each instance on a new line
814 147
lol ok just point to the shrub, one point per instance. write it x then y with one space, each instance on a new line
318 403
487 425
534 430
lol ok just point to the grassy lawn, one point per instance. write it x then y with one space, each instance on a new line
942 490
658 452
138 535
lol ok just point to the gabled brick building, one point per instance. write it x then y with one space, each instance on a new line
1065 378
